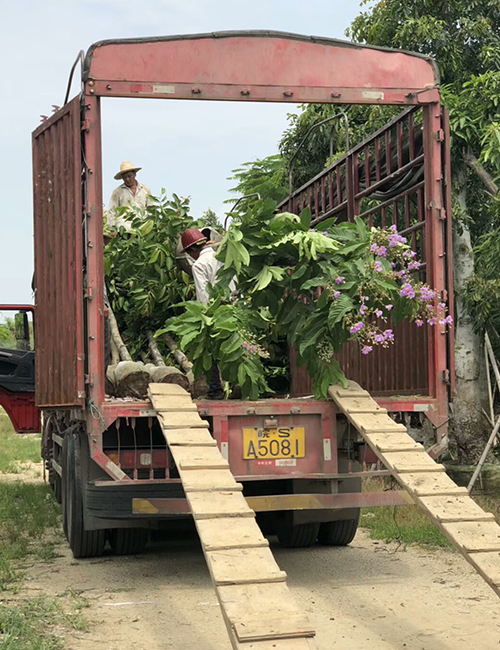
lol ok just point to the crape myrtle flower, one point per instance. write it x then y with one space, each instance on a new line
366 349
356 328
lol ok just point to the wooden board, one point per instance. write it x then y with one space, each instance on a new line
402 461
361 405
238 566
212 505
198 457
254 600
452 508
375 423
244 533
181 420
166 389
236 551
474 536
270 627
488 564
353 390
428 484
203 480
396 441
190 438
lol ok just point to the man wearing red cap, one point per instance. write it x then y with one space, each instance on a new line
205 269
205 265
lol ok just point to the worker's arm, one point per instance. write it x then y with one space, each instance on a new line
200 282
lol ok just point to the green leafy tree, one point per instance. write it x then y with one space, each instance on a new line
316 289
143 279
210 218
266 176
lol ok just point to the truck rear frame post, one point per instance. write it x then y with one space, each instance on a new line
230 66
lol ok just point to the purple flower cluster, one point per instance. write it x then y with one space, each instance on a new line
356 328
252 349
378 267
339 280
395 239
366 349
407 291
337 294
426 293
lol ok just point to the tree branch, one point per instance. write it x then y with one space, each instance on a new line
474 164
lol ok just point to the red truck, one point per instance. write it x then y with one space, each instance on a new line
108 460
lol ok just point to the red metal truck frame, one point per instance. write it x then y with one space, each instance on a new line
232 66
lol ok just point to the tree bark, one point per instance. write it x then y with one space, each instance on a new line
471 394
155 352
179 356
116 337
474 164
115 355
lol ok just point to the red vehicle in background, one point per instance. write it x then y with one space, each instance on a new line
108 460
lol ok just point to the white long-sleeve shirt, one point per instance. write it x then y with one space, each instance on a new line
205 271
123 195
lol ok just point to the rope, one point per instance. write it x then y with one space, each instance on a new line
96 413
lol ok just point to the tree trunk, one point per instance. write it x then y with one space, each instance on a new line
471 394
153 348
116 337
129 379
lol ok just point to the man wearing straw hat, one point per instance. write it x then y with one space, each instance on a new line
130 193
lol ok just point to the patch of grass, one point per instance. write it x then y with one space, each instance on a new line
40 623
27 512
404 524
17 448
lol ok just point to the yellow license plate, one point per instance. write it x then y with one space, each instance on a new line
284 442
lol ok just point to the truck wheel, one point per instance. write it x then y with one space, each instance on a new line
296 535
128 541
83 543
338 533
54 478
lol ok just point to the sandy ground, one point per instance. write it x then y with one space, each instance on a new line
369 595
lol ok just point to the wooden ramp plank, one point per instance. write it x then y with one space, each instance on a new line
488 565
202 480
181 420
430 483
397 441
166 389
452 509
474 532
375 423
237 553
353 390
239 566
269 627
214 505
244 533
190 438
410 462
474 536
198 457
361 405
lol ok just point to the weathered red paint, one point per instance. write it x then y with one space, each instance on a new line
258 66
58 259
21 409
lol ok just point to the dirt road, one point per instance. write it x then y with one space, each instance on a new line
366 596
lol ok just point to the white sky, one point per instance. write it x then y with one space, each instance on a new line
187 147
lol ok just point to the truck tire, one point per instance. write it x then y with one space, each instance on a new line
296 535
338 533
55 480
128 541
83 543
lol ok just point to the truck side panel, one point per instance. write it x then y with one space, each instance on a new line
59 259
